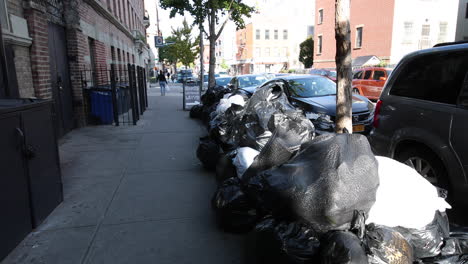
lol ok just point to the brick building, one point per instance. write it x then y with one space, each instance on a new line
386 29
50 42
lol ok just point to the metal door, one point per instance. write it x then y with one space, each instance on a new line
60 79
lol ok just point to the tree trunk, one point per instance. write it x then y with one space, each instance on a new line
201 57
212 38
343 67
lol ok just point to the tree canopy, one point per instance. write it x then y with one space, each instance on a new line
184 50
306 53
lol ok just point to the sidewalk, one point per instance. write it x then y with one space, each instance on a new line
134 194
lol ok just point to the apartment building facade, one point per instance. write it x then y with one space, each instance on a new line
462 21
386 29
51 42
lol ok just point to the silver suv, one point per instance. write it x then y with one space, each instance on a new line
421 118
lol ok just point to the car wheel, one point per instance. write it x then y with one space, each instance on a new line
425 163
356 91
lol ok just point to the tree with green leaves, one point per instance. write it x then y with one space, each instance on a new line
184 48
306 53
211 11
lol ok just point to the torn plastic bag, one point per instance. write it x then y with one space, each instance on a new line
225 168
196 111
387 246
291 130
233 210
208 152
404 197
342 247
323 184
286 242
428 241
244 158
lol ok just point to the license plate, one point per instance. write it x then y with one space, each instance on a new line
358 128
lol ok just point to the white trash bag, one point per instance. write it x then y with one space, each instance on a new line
404 198
244 158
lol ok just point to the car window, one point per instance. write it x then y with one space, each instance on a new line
357 75
463 98
248 81
378 74
434 77
223 81
367 75
332 74
311 87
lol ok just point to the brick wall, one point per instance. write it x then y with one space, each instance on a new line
14 7
37 23
376 18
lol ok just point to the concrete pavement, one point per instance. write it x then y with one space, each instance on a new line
134 194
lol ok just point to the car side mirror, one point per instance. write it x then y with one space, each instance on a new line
383 78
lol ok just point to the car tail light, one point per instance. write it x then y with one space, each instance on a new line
377 114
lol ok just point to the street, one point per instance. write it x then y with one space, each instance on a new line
134 194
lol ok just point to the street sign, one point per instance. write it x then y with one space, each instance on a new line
191 94
158 41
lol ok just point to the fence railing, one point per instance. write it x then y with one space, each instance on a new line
114 94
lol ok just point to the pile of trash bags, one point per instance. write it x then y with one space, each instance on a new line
324 199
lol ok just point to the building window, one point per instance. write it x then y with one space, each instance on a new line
276 34
320 16
359 37
257 34
267 34
319 45
408 32
267 52
275 52
257 52
425 41
442 32
285 34
284 51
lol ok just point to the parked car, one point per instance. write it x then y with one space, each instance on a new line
316 96
205 80
421 118
247 83
370 81
223 81
184 75
330 74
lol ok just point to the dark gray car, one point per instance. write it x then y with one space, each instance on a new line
421 118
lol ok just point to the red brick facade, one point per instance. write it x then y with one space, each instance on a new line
374 16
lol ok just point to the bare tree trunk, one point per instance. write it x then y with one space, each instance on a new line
201 57
343 67
212 38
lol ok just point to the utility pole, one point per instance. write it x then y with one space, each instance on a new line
201 57
159 32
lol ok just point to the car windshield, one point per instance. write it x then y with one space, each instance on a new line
223 81
248 81
311 87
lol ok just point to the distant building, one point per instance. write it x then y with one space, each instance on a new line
270 42
386 29
462 23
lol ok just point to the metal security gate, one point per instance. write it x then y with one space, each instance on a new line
60 79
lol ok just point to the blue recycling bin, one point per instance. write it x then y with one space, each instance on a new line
101 106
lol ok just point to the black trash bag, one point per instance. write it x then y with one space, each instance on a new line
460 234
225 169
386 245
342 247
323 184
196 111
227 130
428 242
214 95
455 259
291 130
286 242
206 113
265 102
208 152
233 209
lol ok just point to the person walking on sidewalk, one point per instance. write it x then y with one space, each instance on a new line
162 83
